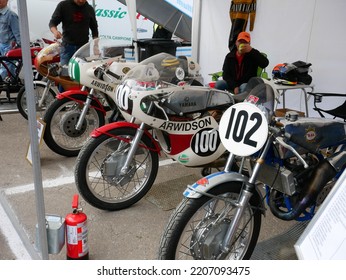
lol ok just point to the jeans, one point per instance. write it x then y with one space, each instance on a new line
222 85
66 52
4 48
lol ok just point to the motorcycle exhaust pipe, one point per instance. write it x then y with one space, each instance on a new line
323 173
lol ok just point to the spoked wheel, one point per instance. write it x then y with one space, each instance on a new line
98 172
61 117
197 227
39 88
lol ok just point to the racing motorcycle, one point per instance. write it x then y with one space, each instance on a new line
75 113
13 82
166 110
47 65
290 163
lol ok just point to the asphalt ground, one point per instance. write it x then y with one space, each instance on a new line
130 234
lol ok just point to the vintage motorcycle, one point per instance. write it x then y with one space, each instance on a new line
14 81
166 109
296 159
47 65
75 113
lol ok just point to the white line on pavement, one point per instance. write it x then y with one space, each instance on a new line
6 227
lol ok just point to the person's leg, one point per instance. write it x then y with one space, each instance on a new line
4 48
221 84
242 87
66 52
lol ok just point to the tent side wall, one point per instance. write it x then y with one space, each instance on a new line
287 30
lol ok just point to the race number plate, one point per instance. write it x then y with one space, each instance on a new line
243 129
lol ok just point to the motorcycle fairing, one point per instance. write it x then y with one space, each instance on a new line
192 150
164 123
71 94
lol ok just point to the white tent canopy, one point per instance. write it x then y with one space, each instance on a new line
164 14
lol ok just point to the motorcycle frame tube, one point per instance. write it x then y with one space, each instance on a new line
105 129
70 95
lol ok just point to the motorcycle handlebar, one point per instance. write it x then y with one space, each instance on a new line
108 72
102 69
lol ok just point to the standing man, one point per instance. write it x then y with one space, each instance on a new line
77 17
9 35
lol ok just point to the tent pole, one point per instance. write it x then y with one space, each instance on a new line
196 29
30 98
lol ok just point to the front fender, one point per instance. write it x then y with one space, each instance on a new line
70 93
212 180
105 129
75 94
205 184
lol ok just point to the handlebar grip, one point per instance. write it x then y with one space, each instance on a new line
311 147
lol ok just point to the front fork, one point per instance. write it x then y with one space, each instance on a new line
243 200
135 143
45 94
85 109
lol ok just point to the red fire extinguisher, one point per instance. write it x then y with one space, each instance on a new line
76 233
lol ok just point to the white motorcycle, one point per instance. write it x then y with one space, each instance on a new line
74 114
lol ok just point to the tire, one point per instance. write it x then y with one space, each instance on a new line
39 88
189 226
106 154
61 116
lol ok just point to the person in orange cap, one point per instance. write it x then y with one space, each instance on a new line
240 65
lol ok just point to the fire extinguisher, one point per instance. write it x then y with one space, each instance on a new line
76 233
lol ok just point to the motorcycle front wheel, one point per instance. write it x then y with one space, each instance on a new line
98 174
61 117
39 88
197 227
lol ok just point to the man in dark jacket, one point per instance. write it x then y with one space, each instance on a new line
77 17
240 65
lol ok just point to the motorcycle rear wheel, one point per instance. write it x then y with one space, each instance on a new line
39 88
195 230
61 117
98 166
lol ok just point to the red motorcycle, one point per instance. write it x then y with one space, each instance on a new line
47 64
14 82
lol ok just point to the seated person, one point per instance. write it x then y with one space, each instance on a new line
240 65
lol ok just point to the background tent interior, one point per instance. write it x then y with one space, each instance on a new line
286 30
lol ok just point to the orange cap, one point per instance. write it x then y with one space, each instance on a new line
244 36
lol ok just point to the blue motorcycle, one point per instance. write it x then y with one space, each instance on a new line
297 160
